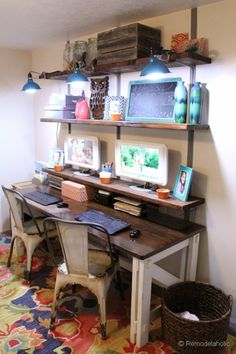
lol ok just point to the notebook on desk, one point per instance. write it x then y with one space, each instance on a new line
111 224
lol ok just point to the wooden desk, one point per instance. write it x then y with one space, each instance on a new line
155 243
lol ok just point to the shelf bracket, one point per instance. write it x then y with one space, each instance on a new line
193 34
118 83
118 133
190 148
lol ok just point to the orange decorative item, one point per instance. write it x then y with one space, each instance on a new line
81 108
115 116
179 42
58 168
163 193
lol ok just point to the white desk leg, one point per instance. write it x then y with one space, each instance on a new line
183 264
134 300
144 302
192 257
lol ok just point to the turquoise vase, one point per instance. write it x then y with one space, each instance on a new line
195 103
180 108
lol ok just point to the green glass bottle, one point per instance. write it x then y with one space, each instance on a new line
195 103
180 107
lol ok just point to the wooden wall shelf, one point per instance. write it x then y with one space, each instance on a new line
168 126
176 60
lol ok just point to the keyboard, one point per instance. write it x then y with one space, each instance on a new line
111 224
42 198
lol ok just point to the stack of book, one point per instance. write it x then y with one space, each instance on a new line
55 181
128 205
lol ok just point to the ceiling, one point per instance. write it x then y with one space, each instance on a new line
31 24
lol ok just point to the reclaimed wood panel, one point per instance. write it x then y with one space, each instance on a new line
127 42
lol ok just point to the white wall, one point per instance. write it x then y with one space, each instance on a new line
17 133
214 150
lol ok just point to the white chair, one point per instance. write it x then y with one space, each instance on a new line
31 232
90 268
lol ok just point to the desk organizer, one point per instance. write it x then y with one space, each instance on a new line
77 191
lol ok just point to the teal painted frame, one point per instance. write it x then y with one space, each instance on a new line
182 191
140 118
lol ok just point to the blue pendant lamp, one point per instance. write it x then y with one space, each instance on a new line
77 77
154 68
30 86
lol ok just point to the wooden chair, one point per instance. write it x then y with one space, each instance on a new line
31 232
90 268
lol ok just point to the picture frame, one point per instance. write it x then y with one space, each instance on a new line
114 105
183 183
56 157
151 100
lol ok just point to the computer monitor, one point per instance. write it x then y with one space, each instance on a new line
82 152
142 161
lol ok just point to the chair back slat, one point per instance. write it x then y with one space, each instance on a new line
15 207
74 243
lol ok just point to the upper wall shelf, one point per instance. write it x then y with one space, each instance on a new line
170 126
176 60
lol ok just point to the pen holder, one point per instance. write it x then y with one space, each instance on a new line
107 169
105 177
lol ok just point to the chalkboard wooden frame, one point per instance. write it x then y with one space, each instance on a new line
145 98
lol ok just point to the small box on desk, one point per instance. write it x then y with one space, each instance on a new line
77 191
127 42
68 114
69 109
104 197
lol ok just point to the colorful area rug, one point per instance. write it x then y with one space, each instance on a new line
25 315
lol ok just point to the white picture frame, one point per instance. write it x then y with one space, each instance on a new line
56 157
114 105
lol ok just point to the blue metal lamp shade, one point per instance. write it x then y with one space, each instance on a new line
77 77
30 86
154 68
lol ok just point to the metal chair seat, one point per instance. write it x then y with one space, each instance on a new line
93 269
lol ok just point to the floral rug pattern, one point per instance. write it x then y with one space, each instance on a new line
25 315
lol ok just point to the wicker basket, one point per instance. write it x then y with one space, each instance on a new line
213 308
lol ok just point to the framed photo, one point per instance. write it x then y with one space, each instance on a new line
114 105
56 157
151 101
183 183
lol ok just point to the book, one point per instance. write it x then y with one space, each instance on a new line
129 201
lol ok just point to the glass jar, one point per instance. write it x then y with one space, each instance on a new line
79 55
68 56
91 52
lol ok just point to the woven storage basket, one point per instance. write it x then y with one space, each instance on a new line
213 308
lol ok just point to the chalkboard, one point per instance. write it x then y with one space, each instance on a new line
150 101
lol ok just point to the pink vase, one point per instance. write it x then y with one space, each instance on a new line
81 108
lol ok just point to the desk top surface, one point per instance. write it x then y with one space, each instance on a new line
153 238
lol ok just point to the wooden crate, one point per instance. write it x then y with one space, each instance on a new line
127 42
